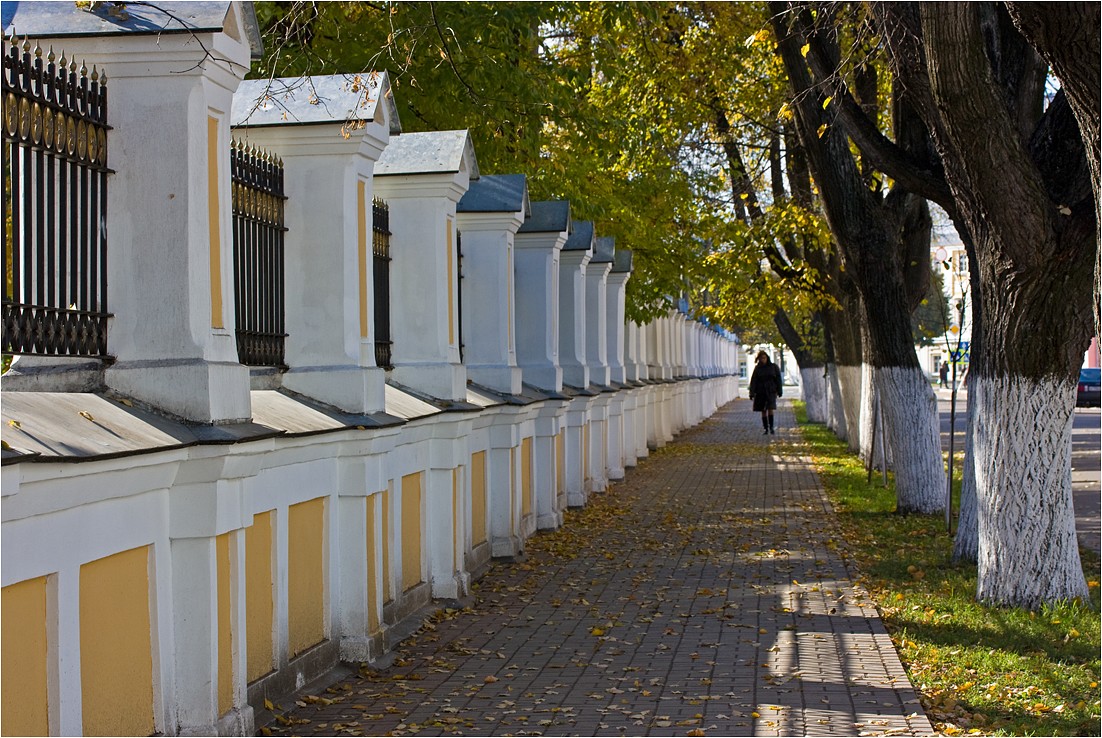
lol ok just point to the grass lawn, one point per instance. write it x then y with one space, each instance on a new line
978 669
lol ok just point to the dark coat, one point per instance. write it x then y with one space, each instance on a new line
765 386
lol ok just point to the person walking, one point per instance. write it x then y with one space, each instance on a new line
943 373
765 388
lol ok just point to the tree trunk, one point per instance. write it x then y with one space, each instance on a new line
1028 554
868 229
1066 35
966 543
1029 206
809 359
836 414
813 382
871 424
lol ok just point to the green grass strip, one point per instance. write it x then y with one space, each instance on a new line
979 670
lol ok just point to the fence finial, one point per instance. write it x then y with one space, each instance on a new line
95 73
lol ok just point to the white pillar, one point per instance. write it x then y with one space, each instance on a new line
170 265
538 245
574 259
422 176
489 216
596 310
328 277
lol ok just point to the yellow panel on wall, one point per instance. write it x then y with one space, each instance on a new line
560 463
214 157
225 632
372 576
455 517
305 575
24 709
116 659
451 287
388 583
411 530
361 248
512 489
585 451
478 497
259 598
526 476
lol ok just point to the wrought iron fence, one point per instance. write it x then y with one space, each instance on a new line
380 250
55 205
258 255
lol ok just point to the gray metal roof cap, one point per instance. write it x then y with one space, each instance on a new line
622 262
429 152
333 98
548 216
604 250
496 193
582 237
65 19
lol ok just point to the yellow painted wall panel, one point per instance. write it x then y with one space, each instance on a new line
259 596
451 285
455 517
225 621
512 489
411 530
388 585
305 575
372 576
116 656
214 199
585 451
526 476
560 463
478 497
361 247
24 708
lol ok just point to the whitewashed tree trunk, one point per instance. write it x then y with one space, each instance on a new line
967 540
869 423
849 379
813 384
1028 554
836 416
910 413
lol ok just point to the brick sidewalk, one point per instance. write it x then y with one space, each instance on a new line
703 595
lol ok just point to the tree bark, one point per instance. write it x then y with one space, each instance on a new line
1066 35
1029 206
868 230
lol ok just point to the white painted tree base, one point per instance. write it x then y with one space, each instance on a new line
849 379
1028 554
910 414
813 384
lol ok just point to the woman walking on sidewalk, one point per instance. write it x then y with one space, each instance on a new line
765 388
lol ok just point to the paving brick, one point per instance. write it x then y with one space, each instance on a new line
702 593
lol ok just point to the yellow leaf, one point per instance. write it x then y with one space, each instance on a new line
596 632
268 705
86 415
827 101
490 679
695 731
805 48
15 424
822 130
755 714
126 402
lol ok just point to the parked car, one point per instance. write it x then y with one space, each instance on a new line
1088 394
